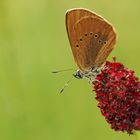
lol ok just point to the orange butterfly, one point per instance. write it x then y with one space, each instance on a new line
92 38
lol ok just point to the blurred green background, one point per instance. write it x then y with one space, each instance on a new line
33 42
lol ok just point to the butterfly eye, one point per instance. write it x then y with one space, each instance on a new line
96 35
86 34
81 39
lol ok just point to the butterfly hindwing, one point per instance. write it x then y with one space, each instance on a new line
91 37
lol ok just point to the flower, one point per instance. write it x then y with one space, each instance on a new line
118 95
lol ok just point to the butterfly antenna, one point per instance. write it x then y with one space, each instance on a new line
66 84
63 70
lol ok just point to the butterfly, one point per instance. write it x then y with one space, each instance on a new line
92 38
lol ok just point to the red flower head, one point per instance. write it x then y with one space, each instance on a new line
118 93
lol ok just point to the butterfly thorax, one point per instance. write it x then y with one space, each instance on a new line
89 75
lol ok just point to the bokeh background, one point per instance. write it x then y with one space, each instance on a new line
33 42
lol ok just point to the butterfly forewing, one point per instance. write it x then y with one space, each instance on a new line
91 37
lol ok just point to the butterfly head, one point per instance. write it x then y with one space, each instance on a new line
78 74
89 75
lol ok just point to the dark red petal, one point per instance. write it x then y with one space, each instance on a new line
118 93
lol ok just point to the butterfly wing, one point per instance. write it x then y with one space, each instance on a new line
91 37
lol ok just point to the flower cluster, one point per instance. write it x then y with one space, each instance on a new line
118 95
